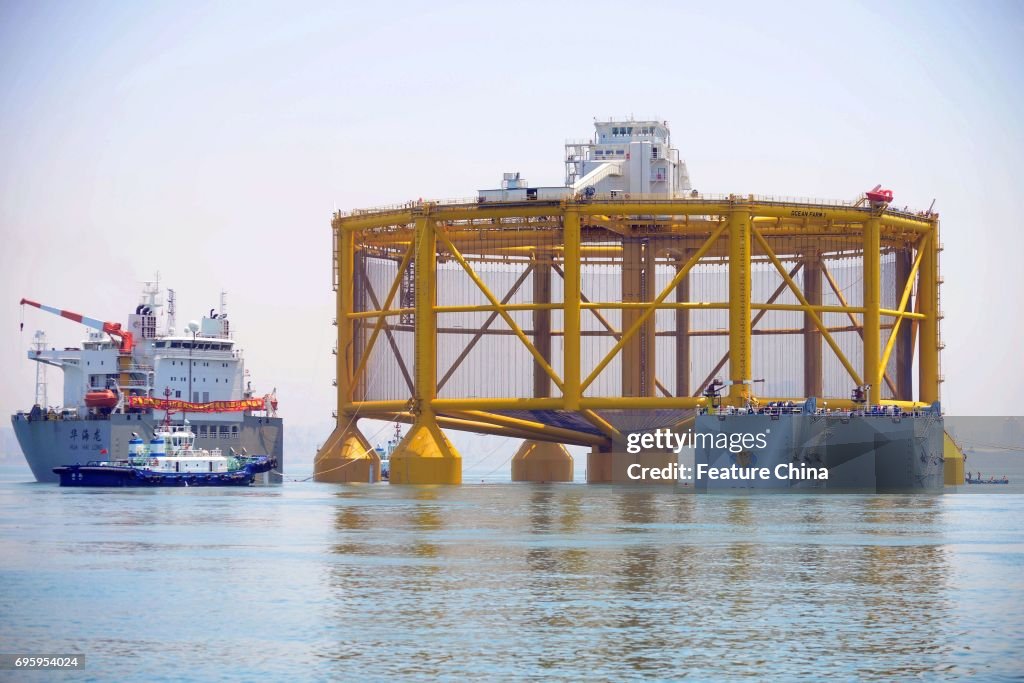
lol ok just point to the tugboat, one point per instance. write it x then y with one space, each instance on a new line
384 453
170 459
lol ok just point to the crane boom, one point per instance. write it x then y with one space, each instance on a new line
113 329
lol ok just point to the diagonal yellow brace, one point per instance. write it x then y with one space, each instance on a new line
483 328
915 323
753 323
499 308
609 327
807 306
382 317
649 310
409 381
853 319
538 430
611 432
905 299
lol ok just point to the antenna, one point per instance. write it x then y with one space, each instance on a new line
40 346
171 310
223 302
151 294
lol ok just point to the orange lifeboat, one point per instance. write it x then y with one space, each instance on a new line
104 398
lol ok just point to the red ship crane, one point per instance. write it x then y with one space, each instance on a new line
113 329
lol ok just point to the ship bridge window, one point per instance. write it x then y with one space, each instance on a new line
175 345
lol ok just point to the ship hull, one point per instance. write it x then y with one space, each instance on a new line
124 477
48 444
877 453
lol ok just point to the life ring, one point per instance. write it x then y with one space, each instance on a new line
154 462
625 196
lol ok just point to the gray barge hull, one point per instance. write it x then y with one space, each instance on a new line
878 453
49 443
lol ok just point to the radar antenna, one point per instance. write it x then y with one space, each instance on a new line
171 310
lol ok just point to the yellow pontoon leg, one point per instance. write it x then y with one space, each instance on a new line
542 461
426 456
346 457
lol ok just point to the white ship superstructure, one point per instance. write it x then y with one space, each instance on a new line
200 366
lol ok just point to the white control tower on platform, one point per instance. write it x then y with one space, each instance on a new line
627 157
624 159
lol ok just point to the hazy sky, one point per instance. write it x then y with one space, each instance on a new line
212 141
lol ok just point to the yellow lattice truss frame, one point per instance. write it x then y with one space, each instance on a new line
574 232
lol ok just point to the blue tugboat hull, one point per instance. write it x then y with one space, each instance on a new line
97 475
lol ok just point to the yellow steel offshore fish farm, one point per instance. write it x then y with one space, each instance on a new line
622 301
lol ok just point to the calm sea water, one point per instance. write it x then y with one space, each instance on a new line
311 581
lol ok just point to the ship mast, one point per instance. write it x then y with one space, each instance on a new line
40 345
171 311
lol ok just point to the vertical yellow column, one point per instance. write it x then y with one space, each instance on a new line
571 308
598 460
358 386
928 337
347 455
425 456
872 287
740 375
344 305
